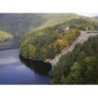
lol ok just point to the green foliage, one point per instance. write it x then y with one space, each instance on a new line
5 36
47 42
57 18
79 66
21 24
53 39
83 22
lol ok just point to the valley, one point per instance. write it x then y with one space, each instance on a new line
48 48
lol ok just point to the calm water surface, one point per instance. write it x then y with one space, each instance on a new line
18 70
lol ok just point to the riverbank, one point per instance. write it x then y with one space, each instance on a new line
11 44
7 48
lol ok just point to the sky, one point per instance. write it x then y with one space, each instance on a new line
82 7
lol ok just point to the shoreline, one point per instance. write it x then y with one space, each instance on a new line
7 48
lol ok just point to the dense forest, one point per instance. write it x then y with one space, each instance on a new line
20 24
79 66
46 43
4 36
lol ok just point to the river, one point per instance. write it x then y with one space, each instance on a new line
15 69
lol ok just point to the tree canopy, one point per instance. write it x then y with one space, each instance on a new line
5 36
47 42
79 66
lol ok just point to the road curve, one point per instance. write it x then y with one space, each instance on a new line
81 39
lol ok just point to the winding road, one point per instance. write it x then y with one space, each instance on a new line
84 35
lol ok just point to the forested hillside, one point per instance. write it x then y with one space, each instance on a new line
46 43
19 24
79 66
4 36
56 18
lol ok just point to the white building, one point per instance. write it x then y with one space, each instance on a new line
66 28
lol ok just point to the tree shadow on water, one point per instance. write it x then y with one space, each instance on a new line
37 66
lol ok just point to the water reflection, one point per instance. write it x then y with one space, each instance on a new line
37 66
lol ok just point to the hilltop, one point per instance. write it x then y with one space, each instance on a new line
21 24
46 42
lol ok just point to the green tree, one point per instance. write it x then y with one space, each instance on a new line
75 76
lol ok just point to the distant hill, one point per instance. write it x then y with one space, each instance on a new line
20 24
55 18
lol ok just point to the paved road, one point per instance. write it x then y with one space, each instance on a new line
81 39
